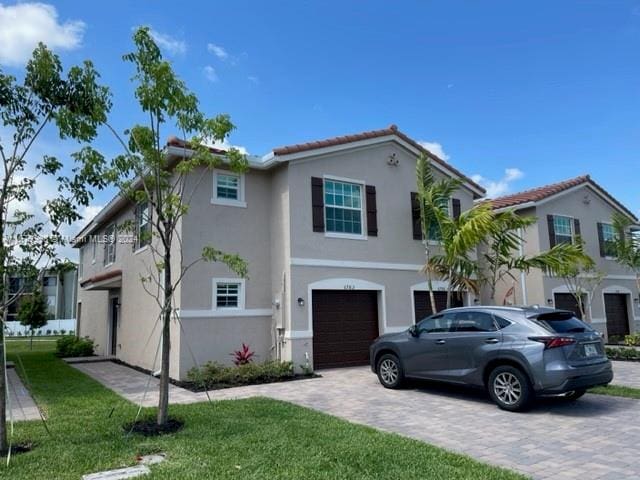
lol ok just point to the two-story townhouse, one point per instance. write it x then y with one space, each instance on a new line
566 210
329 231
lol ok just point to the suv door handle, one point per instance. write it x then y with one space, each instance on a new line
440 342
491 340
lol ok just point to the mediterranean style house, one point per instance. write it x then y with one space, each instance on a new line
566 210
331 235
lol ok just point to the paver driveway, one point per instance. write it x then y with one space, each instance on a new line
596 437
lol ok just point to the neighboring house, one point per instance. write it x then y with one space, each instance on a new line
566 210
59 289
331 236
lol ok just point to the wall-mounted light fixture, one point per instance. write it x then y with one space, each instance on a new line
476 301
300 302
636 300
549 301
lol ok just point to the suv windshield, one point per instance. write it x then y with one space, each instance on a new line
561 322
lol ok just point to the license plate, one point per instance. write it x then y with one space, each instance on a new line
590 350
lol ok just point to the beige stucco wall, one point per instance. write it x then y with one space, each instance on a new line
590 208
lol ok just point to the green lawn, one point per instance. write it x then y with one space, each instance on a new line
617 391
23 345
255 438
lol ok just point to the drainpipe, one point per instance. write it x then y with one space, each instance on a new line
523 279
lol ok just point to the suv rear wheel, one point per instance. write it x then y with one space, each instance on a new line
390 371
509 388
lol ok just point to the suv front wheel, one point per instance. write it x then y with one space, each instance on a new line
509 388
390 371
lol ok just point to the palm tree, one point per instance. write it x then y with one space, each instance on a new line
501 255
433 200
626 245
460 237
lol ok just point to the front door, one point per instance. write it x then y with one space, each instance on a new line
114 324
615 308
425 355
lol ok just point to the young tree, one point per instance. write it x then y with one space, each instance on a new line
33 312
460 239
501 258
626 245
433 200
582 282
145 175
75 104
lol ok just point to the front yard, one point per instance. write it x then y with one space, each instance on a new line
255 438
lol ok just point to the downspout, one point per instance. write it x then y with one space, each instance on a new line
523 279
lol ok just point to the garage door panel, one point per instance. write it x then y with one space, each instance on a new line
344 325
615 306
566 301
422 302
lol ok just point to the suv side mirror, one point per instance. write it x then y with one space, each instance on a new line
413 331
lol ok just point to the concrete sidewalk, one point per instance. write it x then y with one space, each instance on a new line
22 405
626 374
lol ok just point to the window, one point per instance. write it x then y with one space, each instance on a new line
474 322
563 229
433 231
609 237
143 225
436 324
110 245
228 188
228 294
343 207
49 281
93 250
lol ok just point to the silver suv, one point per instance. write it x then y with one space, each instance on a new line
516 353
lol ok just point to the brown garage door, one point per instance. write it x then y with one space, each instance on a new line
615 308
344 325
566 301
422 302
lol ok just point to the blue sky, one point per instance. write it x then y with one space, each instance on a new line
521 94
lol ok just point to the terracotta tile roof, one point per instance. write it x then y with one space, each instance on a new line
546 191
178 142
101 277
390 130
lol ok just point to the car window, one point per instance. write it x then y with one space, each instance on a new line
474 322
502 322
561 322
436 324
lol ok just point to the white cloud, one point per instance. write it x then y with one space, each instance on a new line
435 148
218 51
253 79
172 45
496 188
23 25
210 73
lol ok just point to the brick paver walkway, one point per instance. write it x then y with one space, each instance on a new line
594 438
22 405
626 373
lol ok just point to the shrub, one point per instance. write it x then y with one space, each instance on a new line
70 346
242 356
55 332
48 331
612 339
72 332
213 374
632 340
63 332
623 353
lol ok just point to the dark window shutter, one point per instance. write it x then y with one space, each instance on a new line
576 228
415 217
372 211
552 233
455 206
317 203
603 250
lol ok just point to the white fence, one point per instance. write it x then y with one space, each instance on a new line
66 324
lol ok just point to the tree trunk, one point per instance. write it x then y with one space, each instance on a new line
3 395
449 293
163 403
432 297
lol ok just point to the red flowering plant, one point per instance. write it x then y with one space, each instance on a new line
242 356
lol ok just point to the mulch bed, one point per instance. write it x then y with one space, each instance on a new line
149 428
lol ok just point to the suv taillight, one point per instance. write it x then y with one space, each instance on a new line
554 342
